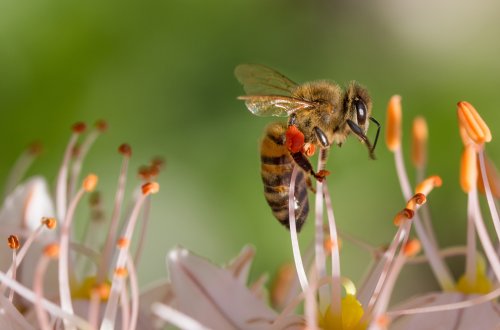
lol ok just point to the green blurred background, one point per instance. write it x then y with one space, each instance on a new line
161 74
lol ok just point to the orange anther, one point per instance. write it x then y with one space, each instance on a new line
419 142
150 188
13 242
90 182
50 223
412 248
125 150
393 131
79 127
475 126
468 168
101 125
426 186
51 250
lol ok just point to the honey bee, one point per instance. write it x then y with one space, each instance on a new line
319 114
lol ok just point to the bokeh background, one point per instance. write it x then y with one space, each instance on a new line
161 74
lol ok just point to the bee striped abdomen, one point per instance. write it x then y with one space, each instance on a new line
276 171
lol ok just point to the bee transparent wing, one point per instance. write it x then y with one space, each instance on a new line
274 105
260 80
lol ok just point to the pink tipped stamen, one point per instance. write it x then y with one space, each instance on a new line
319 255
482 232
78 161
299 265
124 306
115 217
134 293
310 305
62 177
489 195
336 287
144 228
438 267
117 283
63 268
21 254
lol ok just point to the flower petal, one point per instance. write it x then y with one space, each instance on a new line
213 296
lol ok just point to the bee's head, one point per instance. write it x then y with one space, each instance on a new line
358 105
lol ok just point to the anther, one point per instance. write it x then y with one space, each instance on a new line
125 150
393 132
426 186
102 290
415 200
79 127
468 169
158 162
412 248
50 223
90 182
51 250
121 272
150 188
122 242
403 215
35 148
13 242
475 126
144 172
419 142
101 125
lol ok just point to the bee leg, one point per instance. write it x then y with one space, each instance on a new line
304 163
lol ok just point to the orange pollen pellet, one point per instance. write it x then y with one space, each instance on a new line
50 223
419 142
125 149
150 188
294 139
101 125
51 250
79 127
475 126
13 242
426 186
412 248
102 290
468 169
121 272
122 242
90 182
393 130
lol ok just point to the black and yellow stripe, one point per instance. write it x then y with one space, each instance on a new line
276 170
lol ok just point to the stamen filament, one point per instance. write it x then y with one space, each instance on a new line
299 265
20 167
38 281
336 298
489 196
319 252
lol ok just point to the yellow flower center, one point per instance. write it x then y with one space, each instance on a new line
482 283
352 312
89 285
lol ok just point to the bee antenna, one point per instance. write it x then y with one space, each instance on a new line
376 136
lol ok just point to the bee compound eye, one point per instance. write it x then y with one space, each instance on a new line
360 111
